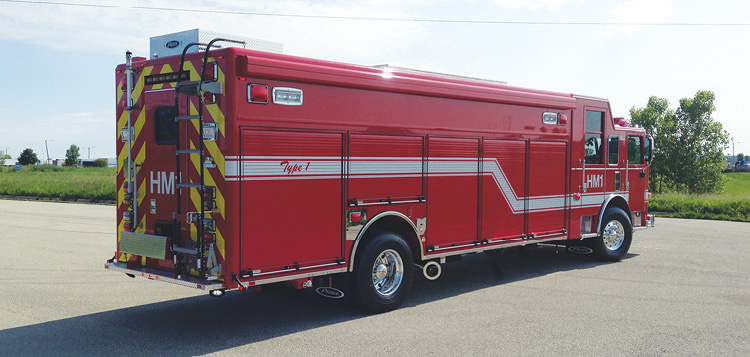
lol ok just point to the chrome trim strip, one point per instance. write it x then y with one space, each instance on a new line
157 275
297 276
591 98
456 246
589 235
386 203
159 90
294 269
491 246
604 208
375 219
639 228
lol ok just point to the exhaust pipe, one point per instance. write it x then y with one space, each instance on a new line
432 270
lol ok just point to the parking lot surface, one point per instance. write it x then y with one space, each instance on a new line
684 289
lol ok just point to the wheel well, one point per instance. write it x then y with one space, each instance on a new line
395 224
614 201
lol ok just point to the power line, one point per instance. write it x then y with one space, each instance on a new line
479 22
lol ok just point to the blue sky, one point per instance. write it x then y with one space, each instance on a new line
57 62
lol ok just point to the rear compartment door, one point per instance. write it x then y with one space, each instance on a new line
291 200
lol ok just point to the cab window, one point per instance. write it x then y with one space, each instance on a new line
635 147
593 144
614 150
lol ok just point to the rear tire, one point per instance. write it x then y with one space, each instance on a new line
383 274
615 236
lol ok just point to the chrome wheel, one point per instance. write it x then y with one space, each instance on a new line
613 235
387 272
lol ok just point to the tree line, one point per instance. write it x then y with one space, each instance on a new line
689 144
29 157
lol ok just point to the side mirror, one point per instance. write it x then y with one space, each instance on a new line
648 153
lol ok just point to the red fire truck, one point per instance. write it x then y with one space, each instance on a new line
239 168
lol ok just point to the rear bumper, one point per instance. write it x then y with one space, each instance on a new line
160 275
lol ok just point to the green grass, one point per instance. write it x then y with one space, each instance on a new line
65 183
731 205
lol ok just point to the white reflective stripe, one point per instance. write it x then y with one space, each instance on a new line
515 203
545 203
277 178
231 168
255 168
453 166
385 167
291 167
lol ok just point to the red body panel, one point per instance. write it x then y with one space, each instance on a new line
475 159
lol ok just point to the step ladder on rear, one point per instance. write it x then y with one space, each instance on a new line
189 254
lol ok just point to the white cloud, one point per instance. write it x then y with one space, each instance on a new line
117 29
639 11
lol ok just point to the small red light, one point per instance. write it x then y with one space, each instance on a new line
257 93
209 98
209 75
139 59
220 57
562 119
119 71
577 196
356 217
242 78
156 277
143 274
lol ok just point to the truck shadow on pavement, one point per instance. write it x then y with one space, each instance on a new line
202 325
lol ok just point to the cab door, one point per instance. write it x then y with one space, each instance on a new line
637 178
615 161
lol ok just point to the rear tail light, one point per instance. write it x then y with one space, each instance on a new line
212 72
209 98
257 93
209 192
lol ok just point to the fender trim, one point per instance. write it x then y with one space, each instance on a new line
605 205
375 219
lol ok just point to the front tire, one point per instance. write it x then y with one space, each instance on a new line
615 237
383 273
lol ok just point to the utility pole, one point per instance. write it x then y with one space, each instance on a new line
734 158
47 148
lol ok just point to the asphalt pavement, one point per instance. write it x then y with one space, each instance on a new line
684 289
